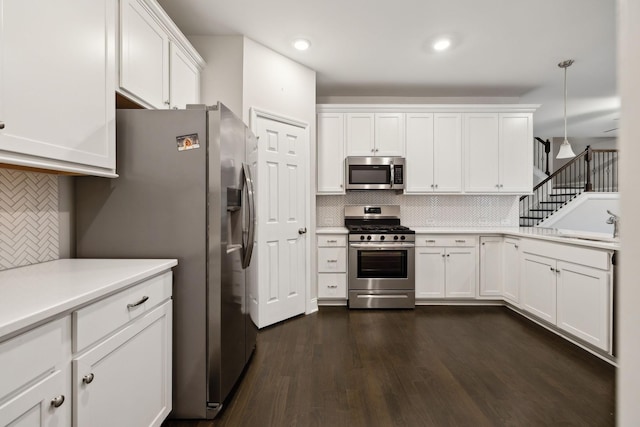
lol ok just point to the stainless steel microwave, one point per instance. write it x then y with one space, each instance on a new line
375 173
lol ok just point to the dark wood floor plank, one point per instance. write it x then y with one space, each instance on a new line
432 366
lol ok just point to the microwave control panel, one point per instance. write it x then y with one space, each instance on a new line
397 174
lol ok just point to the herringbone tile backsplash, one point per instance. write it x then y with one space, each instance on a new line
28 218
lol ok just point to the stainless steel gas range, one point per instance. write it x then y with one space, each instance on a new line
381 258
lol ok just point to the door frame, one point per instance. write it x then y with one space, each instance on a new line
311 303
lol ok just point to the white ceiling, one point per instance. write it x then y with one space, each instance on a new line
503 48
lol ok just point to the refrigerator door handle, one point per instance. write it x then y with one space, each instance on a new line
248 187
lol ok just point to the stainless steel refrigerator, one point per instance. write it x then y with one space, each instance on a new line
184 191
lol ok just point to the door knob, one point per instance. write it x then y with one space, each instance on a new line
302 230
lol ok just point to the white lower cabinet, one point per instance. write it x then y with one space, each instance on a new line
511 270
34 372
583 296
571 289
74 370
446 267
126 379
491 274
539 286
332 267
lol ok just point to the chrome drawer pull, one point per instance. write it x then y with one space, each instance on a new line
460 241
332 286
430 241
88 379
135 304
332 241
332 260
57 401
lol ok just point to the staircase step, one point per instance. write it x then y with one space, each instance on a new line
563 194
531 217
555 202
542 210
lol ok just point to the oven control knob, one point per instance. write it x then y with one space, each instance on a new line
368 237
381 237
395 237
361 237
402 237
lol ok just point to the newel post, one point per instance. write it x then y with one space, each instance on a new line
588 185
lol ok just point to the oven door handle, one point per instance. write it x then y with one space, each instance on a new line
382 245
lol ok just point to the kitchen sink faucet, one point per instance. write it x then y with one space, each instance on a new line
614 219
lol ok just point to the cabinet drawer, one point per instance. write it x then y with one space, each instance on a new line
100 319
332 240
446 241
31 355
332 260
332 285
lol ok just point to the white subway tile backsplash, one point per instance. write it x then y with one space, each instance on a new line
427 211
29 223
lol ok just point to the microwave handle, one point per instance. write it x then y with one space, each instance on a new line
393 172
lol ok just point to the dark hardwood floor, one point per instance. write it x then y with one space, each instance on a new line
432 366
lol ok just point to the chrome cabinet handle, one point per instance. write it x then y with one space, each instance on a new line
436 185
332 286
462 241
448 255
88 379
1 125
332 260
135 304
373 150
515 246
167 102
57 401
332 241
553 269
430 241
443 255
302 230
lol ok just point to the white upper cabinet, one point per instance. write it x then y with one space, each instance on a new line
360 130
57 75
330 151
375 134
434 152
184 77
389 135
144 54
158 66
498 153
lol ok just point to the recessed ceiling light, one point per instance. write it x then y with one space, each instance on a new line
301 44
441 44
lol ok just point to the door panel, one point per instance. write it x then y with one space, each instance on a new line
430 273
460 266
281 214
538 281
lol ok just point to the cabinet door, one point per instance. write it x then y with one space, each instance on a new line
35 407
491 266
126 379
430 272
538 285
482 152
516 152
584 299
360 131
419 174
331 154
447 164
461 274
511 270
57 98
185 79
389 134
144 55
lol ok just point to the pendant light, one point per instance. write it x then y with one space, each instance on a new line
565 151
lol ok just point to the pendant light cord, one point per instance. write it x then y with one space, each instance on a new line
565 103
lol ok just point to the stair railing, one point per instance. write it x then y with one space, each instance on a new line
591 170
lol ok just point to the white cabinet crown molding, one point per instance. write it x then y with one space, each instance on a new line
427 108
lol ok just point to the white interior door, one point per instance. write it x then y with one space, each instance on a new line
282 238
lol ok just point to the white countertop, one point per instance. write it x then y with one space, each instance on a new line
550 234
32 294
